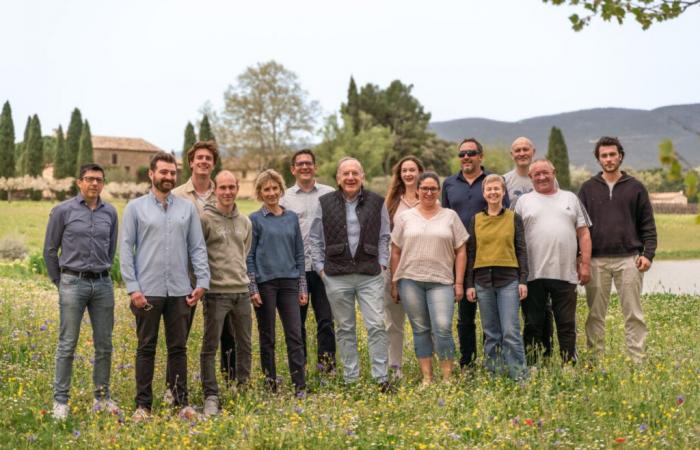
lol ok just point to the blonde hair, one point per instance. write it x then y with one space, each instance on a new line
493 178
264 177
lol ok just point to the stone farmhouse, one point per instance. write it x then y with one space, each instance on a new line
127 153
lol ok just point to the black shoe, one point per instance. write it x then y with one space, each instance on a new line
387 388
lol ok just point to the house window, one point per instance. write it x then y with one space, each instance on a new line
126 168
114 159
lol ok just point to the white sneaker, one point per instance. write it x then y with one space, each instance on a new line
107 405
141 415
60 411
211 405
168 398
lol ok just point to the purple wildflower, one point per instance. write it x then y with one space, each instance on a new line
441 402
680 400
643 427
76 433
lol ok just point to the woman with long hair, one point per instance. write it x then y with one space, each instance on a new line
401 195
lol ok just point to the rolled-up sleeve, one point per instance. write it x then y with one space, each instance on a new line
197 250
318 240
52 242
127 263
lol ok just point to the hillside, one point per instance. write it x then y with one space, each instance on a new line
639 130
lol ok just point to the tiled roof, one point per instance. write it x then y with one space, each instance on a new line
123 143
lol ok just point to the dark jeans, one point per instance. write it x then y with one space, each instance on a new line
176 315
281 294
228 347
466 330
537 332
220 312
325 334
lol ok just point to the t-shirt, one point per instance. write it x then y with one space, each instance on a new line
428 245
550 232
517 185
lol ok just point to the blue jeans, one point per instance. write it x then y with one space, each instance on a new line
499 317
430 307
74 295
369 291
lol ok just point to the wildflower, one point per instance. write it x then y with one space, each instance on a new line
455 436
441 402
620 440
529 422
298 409
680 400
76 433
43 327
643 427
515 421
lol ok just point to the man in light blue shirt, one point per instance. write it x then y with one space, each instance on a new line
161 233
349 240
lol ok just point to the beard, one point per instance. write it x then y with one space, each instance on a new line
159 184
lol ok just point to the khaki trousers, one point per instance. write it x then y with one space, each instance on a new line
628 283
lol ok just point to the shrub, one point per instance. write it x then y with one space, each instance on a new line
36 264
12 247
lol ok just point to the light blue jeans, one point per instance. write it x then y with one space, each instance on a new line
75 295
430 307
342 290
503 347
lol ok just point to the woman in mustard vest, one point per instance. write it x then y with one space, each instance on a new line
497 278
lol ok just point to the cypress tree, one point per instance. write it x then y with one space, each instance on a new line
75 128
559 156
20 151
190 139
84 149
7 142
59 162
352 108
34 151
205 134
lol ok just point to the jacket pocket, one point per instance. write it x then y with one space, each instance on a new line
335 249
370 249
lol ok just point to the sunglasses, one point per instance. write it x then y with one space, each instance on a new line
469 153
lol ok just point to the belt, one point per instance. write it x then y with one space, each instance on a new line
88 275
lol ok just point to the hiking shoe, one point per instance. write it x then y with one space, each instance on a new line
141 415
211 405
107 405
60 411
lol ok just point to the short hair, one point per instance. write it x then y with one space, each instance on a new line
425 175
606 141
264 177
162 156
541 160
345 159
303 151
471 139
523 138
91 167
493 178
206 145
216 183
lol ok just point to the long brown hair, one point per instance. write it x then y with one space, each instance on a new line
397 188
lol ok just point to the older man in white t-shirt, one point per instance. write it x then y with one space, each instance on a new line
559 255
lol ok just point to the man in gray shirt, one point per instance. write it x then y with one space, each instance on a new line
84 228
350 248
302 198
161 234
522 150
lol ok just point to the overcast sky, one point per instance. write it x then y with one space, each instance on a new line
143 69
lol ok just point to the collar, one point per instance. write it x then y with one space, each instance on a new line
189 187
500 213
81 200
484 172
296 188
154 199
266 212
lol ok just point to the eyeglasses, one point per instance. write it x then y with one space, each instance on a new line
304 164
91 180
469 153
431 189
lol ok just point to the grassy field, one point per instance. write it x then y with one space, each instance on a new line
679 235
606 405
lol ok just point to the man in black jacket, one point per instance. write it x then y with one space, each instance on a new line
624 242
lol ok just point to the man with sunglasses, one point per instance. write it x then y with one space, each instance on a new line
462 192
161 236
302 198
84 228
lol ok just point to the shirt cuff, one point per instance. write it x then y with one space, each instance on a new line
133 286
252 286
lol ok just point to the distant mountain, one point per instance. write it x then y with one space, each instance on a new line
640 132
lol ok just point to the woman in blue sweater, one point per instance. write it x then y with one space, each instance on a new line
277 278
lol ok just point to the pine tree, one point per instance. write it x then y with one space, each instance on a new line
75 128
190 139
21 151
205 134
34 152
85 148
352 108
7 142
60 161
559 156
